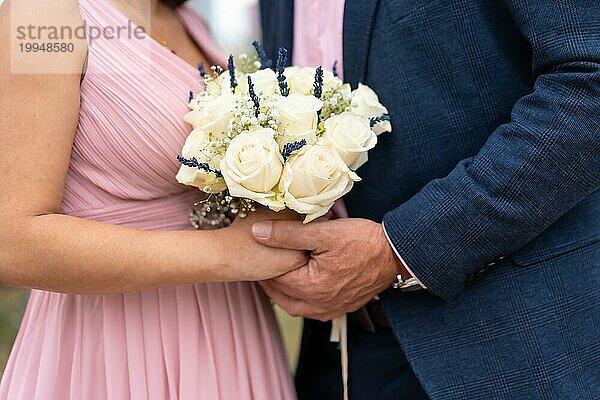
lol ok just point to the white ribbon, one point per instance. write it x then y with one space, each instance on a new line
339 334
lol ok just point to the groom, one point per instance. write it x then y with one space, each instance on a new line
488 191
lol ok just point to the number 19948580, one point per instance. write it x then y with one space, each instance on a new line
48 47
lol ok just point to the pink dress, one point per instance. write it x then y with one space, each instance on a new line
202 341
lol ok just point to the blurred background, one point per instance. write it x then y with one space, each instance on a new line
235 24
12 304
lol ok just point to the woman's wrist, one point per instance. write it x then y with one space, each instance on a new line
201 257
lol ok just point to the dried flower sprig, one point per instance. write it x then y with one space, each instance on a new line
231 67
194 163
282 56
253 97
265 62
375 120
202 70
289 148
318 85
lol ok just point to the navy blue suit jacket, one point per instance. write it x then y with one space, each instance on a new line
488 186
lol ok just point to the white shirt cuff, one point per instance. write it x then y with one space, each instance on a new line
401 259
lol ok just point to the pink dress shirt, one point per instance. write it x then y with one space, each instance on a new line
318 28
318 33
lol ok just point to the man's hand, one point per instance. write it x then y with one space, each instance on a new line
351 262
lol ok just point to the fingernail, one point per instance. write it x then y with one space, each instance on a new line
262 230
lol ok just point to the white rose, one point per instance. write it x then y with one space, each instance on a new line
351 137
366 103
252 167
314 179
330 81
302 80
345 89
297 117
222 84
265 81
213 116
200 100
297 82
196 146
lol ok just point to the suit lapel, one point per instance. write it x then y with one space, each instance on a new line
358 25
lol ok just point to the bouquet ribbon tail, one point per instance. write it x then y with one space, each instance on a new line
339 334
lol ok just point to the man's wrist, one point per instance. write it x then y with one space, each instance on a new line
403 269
393 265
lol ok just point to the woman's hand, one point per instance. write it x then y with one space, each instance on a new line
253 261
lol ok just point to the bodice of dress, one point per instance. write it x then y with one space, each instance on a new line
133 99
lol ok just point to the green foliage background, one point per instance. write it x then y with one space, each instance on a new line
12 304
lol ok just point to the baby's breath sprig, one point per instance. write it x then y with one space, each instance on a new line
248 64
375 120
265 62
318 85
194 163
289 148
216 71
282 56
320 129
213 76
335 102
231 66
253 97
244 116
216 147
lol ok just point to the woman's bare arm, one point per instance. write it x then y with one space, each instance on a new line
40 248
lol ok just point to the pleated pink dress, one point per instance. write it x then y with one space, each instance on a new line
203 341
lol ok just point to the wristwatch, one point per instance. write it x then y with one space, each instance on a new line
409 285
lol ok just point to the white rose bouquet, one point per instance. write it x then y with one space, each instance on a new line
286 137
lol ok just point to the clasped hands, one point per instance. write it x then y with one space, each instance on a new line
350 263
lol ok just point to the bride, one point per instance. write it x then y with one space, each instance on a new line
129 302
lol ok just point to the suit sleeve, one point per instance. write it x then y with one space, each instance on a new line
530 171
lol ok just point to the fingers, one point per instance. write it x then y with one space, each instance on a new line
264 214
289 234
294 307
325 317
296 284
307 309
288 284
285 215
